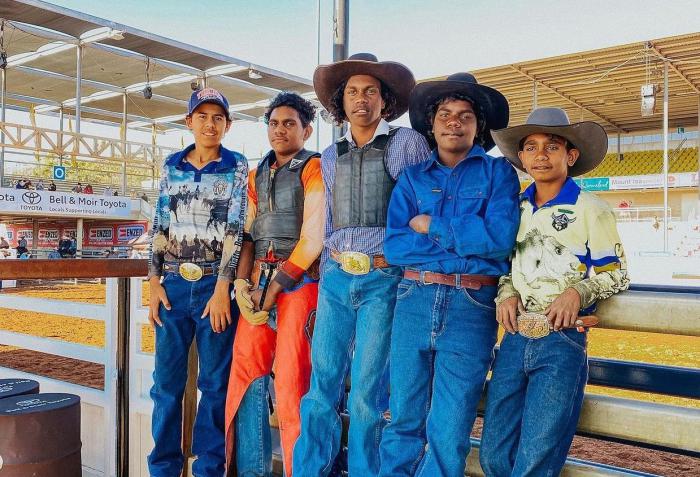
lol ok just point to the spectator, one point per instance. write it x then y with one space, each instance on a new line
4 243
144 197
116 192
88 189
22 246
28 185
78 188
40 185
52 186
21 184
108 190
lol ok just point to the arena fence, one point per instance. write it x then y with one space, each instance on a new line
119 445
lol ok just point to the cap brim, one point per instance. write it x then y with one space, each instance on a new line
397 77
589 137
492 104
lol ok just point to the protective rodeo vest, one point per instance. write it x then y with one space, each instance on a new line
362 185
277 225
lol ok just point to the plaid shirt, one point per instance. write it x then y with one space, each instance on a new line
406 148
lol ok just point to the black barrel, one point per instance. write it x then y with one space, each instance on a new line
17 387
40 436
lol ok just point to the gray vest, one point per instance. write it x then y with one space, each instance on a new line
362 185
277 225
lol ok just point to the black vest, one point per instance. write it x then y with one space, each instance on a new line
362 185
277 224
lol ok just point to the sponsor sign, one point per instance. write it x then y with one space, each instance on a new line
100 235
40 202
594 183
126 233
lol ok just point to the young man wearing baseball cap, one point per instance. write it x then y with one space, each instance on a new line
568 255
358 287
451 225
190 286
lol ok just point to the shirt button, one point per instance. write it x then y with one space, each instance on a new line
449 197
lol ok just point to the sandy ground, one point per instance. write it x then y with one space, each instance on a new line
648 347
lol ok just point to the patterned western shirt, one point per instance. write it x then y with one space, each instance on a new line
200 213
569 242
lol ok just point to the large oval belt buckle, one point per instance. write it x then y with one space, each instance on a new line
191 271
355 263
533 325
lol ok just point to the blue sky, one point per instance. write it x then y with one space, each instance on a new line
431 37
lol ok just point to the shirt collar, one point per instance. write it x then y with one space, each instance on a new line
434 160
226 160
382 128
567 195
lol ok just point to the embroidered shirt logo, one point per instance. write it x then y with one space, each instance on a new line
219 188
561 221
295 162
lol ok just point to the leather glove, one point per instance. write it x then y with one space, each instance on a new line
245 303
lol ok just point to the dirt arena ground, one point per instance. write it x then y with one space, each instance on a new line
648 347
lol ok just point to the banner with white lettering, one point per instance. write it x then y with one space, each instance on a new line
63 203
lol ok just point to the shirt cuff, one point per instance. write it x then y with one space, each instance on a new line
439 231
587 292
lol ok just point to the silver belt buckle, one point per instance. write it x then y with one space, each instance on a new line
533 325
354 263
190 271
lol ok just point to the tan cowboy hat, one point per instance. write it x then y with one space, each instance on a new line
588 137
397 77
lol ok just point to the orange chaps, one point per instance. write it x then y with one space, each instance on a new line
256 348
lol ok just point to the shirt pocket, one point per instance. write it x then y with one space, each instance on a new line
429 204
471 200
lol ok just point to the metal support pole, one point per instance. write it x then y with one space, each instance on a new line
35 237
78 85
123 139
341 34
60 136
79 237
697 143
534 95
619 150
665 132
3 94
122 397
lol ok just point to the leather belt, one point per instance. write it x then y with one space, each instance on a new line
458 280
537 325
358 263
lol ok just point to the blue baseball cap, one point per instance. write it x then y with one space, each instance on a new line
208 95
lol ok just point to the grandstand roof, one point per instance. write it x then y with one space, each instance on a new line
41 41
604 85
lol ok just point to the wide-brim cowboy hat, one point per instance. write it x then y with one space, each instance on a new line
588 137
397 77
492 106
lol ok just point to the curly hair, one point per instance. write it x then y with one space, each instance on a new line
335 108
432 108
304 107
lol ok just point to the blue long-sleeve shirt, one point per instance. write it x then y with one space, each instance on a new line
474 212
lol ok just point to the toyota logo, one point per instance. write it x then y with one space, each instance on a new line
31 198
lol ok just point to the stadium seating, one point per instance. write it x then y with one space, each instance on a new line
646 162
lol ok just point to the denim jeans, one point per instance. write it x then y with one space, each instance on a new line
441 349
284 341
182 324
533 404
354 314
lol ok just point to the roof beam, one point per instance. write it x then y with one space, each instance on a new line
153 61
674 67
518 69
59 76
246 84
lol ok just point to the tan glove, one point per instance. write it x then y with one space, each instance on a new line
245 303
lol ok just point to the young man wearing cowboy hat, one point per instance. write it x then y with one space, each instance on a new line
536 390
358 288
451 225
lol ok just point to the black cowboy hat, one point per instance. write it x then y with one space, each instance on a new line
492 106
588 137
397 77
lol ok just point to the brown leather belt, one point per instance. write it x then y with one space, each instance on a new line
473 282
378 261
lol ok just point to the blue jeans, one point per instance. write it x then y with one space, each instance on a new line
441 349
253 436
182 324
533 404
354 313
